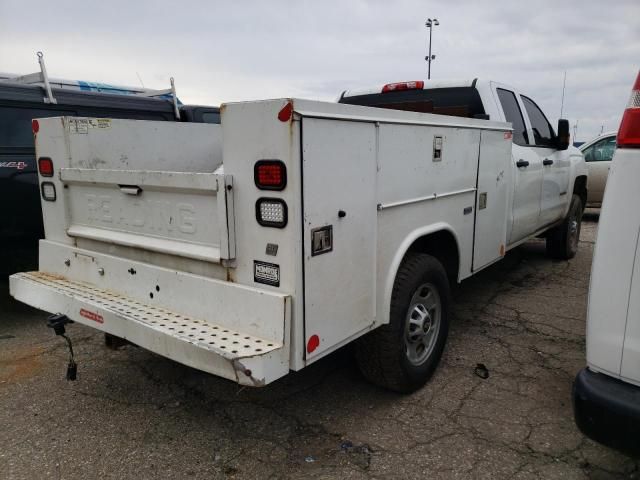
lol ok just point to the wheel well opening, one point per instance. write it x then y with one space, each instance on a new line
441 245
580 189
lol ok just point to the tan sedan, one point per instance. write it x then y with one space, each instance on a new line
598 154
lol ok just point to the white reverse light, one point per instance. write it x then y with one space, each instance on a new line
271 212
48 191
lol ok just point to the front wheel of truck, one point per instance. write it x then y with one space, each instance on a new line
403 354
562 241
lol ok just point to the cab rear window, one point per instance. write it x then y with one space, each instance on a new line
455 101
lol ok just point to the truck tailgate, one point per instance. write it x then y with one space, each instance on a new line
178 213
138 184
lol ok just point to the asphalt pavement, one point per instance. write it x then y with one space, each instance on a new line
133 414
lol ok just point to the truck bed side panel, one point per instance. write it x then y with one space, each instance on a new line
339 168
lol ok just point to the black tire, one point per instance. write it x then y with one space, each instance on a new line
384 355
562 241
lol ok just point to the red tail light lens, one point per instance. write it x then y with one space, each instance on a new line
45 166
629 131
394 87
270 175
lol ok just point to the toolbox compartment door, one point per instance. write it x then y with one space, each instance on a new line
492 193
340 223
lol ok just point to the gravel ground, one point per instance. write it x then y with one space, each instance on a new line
132 414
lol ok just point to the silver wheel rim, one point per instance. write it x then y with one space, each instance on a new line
422 323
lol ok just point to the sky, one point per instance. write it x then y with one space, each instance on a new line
221 51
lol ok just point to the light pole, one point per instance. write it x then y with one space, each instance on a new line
430 24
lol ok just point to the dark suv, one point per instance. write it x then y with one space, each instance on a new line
20 213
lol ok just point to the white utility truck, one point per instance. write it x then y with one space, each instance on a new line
258 246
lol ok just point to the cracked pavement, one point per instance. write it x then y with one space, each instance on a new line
133 414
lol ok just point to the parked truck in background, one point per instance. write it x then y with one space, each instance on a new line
258 246
21 215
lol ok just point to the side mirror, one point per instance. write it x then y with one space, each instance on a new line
564 137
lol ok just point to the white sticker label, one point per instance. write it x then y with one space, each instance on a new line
78 125
99 122
82 125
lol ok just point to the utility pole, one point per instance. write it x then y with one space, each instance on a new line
430 23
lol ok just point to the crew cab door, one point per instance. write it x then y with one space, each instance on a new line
555 164
527 171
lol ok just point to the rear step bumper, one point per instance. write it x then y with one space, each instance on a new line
195 342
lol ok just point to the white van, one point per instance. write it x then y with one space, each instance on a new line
606 393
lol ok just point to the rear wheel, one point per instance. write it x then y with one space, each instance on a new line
403 354
562 241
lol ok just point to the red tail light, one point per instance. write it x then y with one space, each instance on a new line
270 175
629 131
45 166
393 87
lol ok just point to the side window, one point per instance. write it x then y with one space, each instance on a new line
543 134
588 154
513 114
601 151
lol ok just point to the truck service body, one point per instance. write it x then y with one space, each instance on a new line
258 246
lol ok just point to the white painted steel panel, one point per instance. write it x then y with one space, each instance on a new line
339 167
527 190
555 184
491 208
630 366
182 222
111 187
613 267
409 171
252 132
239 307
143 145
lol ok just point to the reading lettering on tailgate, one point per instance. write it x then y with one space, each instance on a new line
159 216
